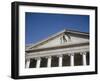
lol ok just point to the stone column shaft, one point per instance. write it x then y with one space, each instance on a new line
60 61
27 63
38 63
84 58
49 62
72 59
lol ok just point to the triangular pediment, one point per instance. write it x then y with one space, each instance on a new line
62 38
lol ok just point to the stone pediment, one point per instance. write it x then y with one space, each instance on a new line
64 37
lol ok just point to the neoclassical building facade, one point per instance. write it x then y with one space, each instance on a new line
64 49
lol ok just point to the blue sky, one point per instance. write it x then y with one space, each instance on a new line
41 25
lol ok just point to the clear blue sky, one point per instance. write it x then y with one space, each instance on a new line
41 25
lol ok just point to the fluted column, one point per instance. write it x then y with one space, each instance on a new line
27 63
49 61
84 58
38 62
60 60
72 59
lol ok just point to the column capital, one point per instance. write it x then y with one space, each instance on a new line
28 59
67 54
36 58
83 53
72 54
59 55
47 56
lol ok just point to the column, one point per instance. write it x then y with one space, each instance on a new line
27 63
38 62
72 59
60 60
84 58
49 61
